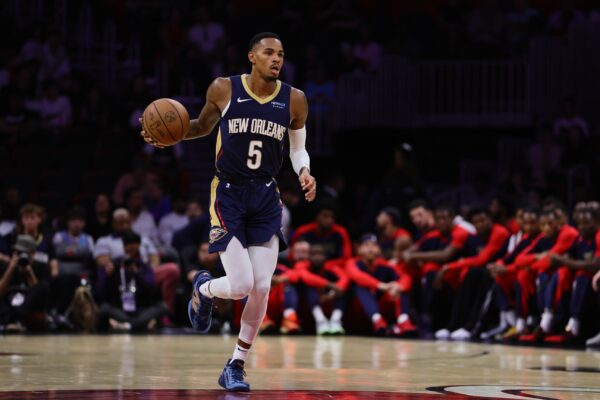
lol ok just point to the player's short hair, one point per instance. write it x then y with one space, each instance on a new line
260 36
529 209
325 205
419 203
554 203
479 209
394 214
446 208
549 213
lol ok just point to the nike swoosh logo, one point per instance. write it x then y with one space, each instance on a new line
240 100
268 184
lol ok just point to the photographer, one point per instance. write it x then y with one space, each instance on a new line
128 292
24 288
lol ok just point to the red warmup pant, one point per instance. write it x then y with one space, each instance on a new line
527 280
506 283
167 278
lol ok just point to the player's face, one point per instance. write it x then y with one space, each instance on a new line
549 225
420 218
301 251
586 224
326 219
482 223
383 220
317 256
267 58
206 258
529 223
443 221
368 250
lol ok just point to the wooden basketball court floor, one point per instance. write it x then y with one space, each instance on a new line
187 367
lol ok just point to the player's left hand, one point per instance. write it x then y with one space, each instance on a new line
308 184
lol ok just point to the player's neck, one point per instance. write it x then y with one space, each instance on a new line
260 86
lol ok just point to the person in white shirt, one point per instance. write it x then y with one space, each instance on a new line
206 34
173 221
142 222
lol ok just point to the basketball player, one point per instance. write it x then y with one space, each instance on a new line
254 113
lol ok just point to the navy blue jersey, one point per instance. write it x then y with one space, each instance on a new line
252 131
583 249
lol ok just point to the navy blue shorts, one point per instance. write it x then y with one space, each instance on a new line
251 211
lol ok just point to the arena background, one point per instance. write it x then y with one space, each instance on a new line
453 101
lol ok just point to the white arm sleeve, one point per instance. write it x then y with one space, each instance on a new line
298 153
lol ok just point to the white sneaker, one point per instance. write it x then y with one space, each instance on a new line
595 341
546 322
336 328
442 334
322 327
460 334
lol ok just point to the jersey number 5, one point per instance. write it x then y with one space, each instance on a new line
254 154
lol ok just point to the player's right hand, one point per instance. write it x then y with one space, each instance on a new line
147 138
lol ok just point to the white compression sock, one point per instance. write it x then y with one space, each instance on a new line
318 314
239 353
263 261
288 311
239 278
375 317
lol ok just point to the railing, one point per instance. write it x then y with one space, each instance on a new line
437 93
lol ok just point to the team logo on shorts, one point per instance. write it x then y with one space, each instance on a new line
216 234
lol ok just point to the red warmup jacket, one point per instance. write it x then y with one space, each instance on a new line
457 239
566 238
289 273
320 280
362 277
496 242
337 239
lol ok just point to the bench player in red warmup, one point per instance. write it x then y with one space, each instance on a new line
254 113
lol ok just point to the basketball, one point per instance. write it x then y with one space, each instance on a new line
166 121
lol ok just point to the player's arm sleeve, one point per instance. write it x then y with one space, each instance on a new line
298 154
312 280
359 277
495 244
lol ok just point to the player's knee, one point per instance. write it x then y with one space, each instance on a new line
262 289
240 288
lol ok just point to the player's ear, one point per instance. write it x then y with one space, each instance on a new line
251 57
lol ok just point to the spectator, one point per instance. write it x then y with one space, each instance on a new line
142 221
31 218
99 224
325 231
522 22
561 20
74 234
54 109
16 119
173 221
377 285
136 101
231 64
24 290
205 261
138 177
128 291
320 92
55 61
109 248
9 210
485 27
544 157
367 51
568 118
206 34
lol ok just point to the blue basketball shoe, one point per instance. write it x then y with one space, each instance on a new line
232 378
202 317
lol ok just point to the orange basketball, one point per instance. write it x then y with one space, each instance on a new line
166 121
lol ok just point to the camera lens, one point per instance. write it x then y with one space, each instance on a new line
23 260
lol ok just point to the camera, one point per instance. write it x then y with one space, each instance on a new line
23 260
128 262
